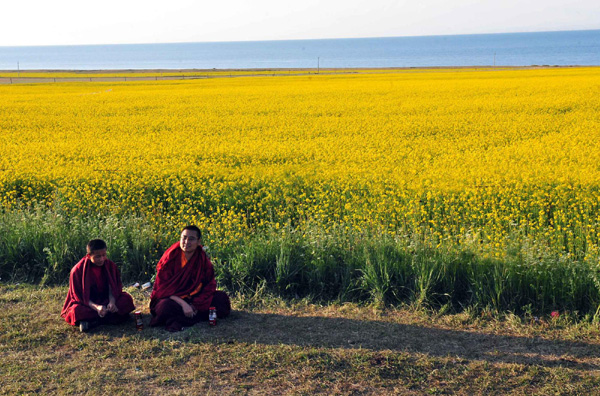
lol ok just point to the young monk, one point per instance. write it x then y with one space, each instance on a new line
96 293
185 286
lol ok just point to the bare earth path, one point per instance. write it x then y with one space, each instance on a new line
56 76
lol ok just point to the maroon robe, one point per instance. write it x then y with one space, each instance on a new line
194 283
86 286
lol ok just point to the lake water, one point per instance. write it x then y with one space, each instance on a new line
506 49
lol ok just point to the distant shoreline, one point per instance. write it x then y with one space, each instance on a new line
299 69
10 77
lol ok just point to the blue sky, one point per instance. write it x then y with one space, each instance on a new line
69 22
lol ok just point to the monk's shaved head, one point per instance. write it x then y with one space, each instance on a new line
95 244
193 228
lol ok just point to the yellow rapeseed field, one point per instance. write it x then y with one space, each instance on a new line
457 155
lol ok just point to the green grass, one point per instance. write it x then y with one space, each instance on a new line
270 346
41 246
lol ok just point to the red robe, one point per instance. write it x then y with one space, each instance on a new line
195 282
81 283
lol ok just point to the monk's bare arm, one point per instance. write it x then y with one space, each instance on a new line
188 310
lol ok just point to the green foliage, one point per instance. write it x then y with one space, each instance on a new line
41 245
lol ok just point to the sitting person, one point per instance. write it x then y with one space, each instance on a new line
185 286
96 293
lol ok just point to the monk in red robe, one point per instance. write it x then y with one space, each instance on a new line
185 286
96 293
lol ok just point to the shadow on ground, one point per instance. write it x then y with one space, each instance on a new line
325 332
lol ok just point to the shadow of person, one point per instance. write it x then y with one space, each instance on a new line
326 332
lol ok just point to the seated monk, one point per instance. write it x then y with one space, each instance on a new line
96 293
185 286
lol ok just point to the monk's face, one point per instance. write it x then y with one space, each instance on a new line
98 257
189 240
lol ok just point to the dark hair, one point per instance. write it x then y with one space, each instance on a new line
95 244
193 228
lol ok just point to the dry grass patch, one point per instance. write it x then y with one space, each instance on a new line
293 348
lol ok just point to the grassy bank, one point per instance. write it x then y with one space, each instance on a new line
269 346
333 265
